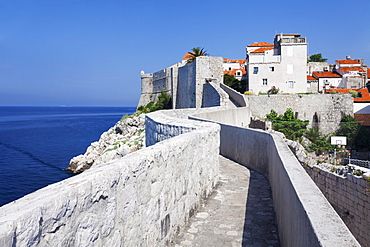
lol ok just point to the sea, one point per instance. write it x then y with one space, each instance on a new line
37 143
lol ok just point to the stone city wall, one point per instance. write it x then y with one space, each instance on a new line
142 199
160 81
322 110
304 216
214 96
191 78
186 90
235 96
146 89
350 196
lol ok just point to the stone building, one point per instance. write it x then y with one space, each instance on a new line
327 80
183 82
282 64
353 72
312 84
235 67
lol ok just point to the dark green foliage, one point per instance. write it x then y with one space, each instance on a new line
196 52
317 58
319 142
291 127
164 102
362 140
231 81
349 127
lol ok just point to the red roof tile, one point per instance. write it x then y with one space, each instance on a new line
364 93
311 78
260 44
187 56
347 61
240 61
346 69
233 72
325 74
262 49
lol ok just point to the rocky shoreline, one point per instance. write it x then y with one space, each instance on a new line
126 136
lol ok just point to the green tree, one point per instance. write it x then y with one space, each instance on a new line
319 142
164 102
238 85
291 127
196 52
362 139
317 58
349 127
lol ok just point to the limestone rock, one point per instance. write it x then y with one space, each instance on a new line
126 136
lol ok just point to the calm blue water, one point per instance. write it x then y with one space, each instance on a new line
37 143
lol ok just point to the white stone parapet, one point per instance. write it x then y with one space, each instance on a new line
142 199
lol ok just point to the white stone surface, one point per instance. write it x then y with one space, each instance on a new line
125 137
138 200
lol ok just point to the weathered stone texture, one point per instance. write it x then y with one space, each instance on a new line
141 199
350 196
304 216
213 96
191 78
322 110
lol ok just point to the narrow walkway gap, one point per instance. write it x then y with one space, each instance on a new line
239 213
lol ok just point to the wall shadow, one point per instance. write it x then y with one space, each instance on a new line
260 227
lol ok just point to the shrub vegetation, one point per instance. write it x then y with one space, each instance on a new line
291 127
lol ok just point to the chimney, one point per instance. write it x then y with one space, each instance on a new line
348 57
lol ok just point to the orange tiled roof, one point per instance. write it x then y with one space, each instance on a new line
311 78
346 69
261 44
240 61
233 72
325 74
187 56
347 61
364 92
262 49
368 73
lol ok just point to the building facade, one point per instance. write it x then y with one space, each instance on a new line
183 82
353 72
282 64
235 67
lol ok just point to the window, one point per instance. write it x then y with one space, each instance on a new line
255 70
238 73
264 81
229 68
272 69
291 84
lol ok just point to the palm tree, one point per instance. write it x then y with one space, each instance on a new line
196 52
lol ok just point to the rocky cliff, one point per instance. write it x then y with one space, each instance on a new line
126 136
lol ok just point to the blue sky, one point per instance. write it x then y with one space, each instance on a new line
90 53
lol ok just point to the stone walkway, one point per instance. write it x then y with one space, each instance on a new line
239 213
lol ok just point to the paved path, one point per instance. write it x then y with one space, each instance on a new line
239 213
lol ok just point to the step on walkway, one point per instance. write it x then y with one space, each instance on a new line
239 213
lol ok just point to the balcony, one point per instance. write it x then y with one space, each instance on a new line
300 40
